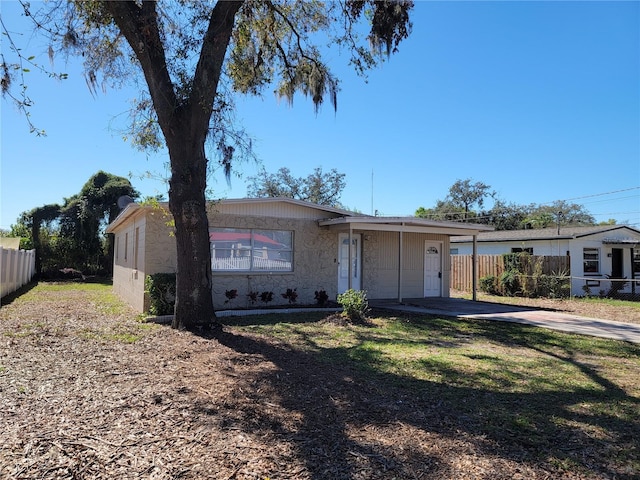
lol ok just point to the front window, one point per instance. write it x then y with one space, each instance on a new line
591 260
636 262
250 250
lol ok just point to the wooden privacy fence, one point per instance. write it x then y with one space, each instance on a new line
462 268
17 268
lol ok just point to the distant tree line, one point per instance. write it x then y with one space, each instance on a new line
321 188
465 203
71 236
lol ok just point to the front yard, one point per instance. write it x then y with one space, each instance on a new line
87 391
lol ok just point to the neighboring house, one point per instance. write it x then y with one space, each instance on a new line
275 244
596 253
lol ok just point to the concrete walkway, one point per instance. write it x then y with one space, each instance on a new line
460 308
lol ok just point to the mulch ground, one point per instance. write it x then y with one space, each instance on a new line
80 400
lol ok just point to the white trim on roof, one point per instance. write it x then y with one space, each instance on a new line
566 233
404 224
293 201
123 216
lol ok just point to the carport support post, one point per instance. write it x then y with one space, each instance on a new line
349 283
400 238
474 268
633 274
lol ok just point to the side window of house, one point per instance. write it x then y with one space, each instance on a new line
528 250
136 247
636 263
591 260
250 250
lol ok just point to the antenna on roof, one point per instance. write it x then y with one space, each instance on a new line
559 215
124 200
372 191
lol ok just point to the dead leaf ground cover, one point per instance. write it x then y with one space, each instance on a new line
88 391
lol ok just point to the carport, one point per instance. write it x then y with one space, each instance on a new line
401 226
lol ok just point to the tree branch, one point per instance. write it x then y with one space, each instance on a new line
301 50
139 25
209 67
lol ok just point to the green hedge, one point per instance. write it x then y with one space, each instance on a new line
161 287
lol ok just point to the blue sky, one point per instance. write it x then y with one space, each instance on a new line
540 100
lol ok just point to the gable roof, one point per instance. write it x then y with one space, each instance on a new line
132 209
564 233
336 218
291 201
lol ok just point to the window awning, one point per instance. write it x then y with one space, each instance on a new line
628 242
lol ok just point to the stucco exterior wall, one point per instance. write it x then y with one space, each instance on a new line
161 244
129 261
143 246
314 263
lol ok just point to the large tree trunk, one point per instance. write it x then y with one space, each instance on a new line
194 302
185 127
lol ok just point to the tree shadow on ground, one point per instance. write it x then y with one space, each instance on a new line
338 403
11 297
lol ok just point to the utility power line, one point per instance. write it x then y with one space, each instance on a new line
594 195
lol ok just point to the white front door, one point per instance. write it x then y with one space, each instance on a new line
343 262
432 269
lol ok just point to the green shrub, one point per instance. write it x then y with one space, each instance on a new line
510 282
354 304
489 284
556 285
161 287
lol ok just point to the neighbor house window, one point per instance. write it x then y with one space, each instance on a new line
251 250
636 262
591 260
528 250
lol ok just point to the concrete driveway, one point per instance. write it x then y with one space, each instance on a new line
458 307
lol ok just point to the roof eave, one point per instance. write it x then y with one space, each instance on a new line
123 216
404 224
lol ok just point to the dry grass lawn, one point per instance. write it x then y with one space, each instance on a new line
87 391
